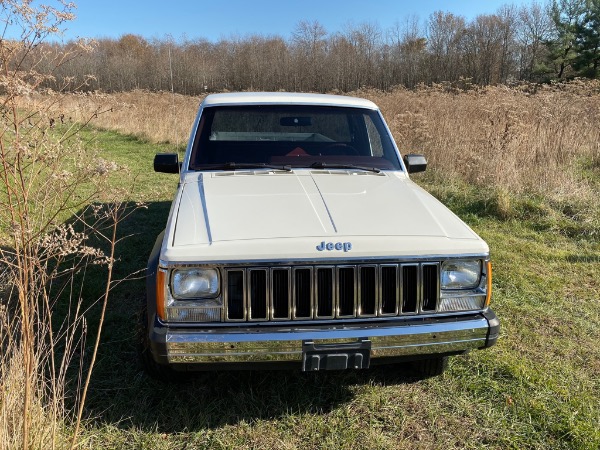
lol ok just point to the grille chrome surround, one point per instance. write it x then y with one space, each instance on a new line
329 292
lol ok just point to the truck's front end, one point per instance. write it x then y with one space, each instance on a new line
297 239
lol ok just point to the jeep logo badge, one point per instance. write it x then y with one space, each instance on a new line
346 246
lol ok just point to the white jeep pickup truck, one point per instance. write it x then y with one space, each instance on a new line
296 238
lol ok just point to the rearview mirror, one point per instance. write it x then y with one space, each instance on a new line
295 121
166 163
415 163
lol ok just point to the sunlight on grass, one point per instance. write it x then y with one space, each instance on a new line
538 388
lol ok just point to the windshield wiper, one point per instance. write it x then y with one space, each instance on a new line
235 166
322 165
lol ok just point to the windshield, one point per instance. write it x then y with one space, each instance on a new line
294 136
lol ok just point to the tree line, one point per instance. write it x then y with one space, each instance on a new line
538 42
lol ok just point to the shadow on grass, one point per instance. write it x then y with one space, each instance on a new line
122 395
125 397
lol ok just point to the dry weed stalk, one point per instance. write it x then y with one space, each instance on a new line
47 229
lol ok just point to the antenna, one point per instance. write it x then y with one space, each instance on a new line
173 118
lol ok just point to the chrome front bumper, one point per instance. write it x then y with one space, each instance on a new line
250 344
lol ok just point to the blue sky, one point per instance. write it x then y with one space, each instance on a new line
214 19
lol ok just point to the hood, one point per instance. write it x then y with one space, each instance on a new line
264 209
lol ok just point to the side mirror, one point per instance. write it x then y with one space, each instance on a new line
166 163
415 163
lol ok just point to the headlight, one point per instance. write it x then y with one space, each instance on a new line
195 283
461 274
465 285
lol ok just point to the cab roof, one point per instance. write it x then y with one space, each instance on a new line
286 98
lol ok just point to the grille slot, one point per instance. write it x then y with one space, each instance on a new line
368 291
303 293
257 294
330 292
325 293
410 288
389 291
235 295
280 294
346 292
430 287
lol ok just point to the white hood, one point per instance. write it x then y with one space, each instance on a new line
287 215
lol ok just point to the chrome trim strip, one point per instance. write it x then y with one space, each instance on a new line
331 261
285 344
454 294
456 315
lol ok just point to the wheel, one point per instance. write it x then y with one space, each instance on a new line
431 367
151 367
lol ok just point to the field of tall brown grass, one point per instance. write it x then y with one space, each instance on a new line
528 139
519 153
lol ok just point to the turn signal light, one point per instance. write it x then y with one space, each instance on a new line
161 283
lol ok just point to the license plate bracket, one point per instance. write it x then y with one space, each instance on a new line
347 355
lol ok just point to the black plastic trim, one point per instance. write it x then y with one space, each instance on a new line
159 348
494 327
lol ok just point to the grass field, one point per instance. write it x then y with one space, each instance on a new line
522 168
538 388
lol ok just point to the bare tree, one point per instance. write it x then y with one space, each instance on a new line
309 51
341 63
404 54
445 32
511 44
486 44
507 16
365 44
533 28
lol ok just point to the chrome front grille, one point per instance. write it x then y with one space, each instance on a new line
316 292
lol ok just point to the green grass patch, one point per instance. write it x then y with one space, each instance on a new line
538 388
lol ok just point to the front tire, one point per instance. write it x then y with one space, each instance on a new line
431 367
151 367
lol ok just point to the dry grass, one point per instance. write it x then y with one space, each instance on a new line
47 430
537 389
156 117
514 139
528 152
526 139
